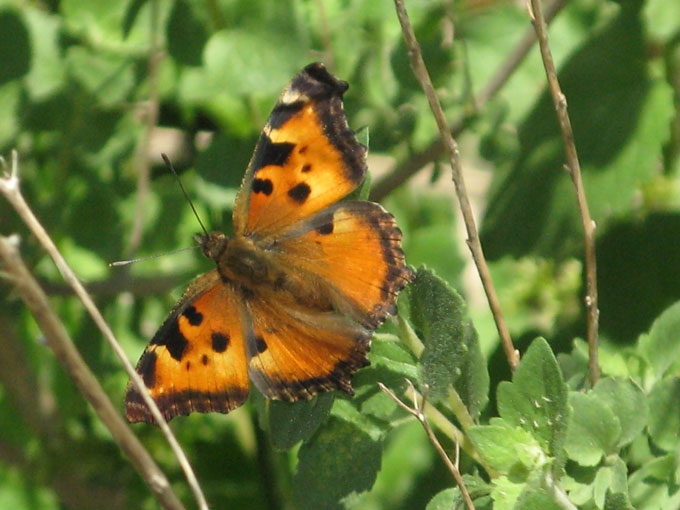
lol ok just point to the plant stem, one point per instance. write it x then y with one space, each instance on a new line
560 102
451 147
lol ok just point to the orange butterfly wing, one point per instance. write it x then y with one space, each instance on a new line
296 353
353 250
306 159
306 279
197 359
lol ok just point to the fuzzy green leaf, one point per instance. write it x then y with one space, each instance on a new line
291 422
341 459
452 355
536 399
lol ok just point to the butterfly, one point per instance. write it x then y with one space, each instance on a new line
300 286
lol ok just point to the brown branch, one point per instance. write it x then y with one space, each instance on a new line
451 147
405 170
9 187
63 348
114 285
418 413
560 102
151 116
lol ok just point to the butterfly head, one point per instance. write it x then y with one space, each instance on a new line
213 244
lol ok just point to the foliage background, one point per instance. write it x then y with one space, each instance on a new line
76 89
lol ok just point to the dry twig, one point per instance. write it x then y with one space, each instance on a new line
574 168
417 412
9 187
451 147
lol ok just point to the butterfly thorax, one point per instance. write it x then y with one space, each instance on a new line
243 261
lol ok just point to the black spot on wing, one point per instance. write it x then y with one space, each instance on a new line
188 365
270 153
263 186
172 338
220 342
282 112
147 368
300 192
325 229
194 317
260 344
204 359
306 168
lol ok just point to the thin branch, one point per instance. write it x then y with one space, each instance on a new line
418 412
114 285
9 187
405 170
143 149
63 348
451 147
560 102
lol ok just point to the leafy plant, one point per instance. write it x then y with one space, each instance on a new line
92 92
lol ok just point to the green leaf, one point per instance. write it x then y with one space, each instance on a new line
47 74
662 18
251 61
617 497
341 459
452 355
446 500
661 346
648 486
505 493
512 451
291 422
628 402
617 501
535 498
187 32
393 356
664 413
452 499
15 46
594 430
536 399
109 78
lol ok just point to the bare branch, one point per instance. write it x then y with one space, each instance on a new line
451 147
560 102
9 187
418 412
405 170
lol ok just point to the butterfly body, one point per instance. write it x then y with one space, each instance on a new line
301 284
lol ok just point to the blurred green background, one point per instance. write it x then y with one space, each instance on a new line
92 92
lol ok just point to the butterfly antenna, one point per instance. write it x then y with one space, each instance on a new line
186 195
126 262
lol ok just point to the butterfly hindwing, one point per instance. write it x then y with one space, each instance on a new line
306 159
353 249
295 353
197 359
